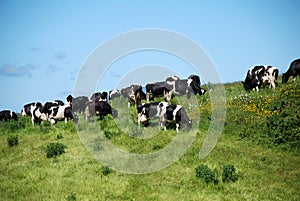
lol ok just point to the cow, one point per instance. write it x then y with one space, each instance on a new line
46 109
26 110
133 92
59 112
147 111
165 112
99 96
159 89
188 86
176 86
115 93
7 115
36 113
258 76
294 70
101 108
78 103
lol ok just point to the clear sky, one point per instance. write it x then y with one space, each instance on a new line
43 44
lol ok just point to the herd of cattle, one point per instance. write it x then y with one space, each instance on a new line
99 102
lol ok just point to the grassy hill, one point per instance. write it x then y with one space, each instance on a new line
261 139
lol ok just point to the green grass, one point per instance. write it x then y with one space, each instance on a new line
266 160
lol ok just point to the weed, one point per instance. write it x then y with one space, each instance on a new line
229 174
55 149
206 174
106 170
12 140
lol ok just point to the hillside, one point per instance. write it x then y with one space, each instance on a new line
261 139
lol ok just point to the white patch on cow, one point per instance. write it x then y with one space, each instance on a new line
178 107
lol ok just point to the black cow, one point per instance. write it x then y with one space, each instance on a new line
165 112
101 108
159 89
78 103
294 70
7 115
133 92
258 76
99 96
60 112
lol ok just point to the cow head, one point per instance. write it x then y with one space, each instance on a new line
285 78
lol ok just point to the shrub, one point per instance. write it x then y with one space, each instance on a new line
206 174
12 140
228 173
71 197
55 149
106 170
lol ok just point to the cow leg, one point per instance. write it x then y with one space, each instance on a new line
177 127
147 97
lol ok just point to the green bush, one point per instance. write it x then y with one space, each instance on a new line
106 170
71 197
55 149
228 173
12 140
206 174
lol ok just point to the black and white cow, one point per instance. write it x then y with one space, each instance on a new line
26 110
177 114
294 70
165 112
188 86
148 111
59 112
176 87
7 115
101 108
133 92
78 103
115 93
46 109
36 113
258 76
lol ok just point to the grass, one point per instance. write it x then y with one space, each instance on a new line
268 169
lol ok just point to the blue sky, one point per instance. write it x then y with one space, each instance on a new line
43 44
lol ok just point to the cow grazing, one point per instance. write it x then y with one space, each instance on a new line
101 108
7 115
259 76
60 112
165 112
177 114
78 104
133 92
294 70
147 111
